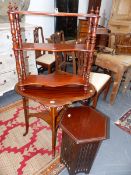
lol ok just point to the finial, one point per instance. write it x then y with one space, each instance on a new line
15 6
92 10
10 7
97 11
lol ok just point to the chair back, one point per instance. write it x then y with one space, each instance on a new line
38 38
123 43
57 37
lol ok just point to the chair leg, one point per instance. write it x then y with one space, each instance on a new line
106 89
127 80
95 99
26 112
49 69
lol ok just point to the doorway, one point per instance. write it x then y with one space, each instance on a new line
94 4
67 24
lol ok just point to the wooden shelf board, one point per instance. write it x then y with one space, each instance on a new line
56 79
55 47
55 14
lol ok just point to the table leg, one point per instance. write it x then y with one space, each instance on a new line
54 114
26 112
127 80
116 85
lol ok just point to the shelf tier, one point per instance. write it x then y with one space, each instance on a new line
55 14
56 79
58 96
61 47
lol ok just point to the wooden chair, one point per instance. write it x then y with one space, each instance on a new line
63 58
43 58
58 37
53 91
122 43
100 81
117 60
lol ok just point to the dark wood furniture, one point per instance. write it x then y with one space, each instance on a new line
102 36
101 81
45 60
60 61
54 90
83 25
63 57
83 129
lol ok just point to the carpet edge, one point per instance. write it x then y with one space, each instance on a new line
10 106
51 168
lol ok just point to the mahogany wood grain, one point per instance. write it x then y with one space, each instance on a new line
58 89
83 130
56 96
55 14
53 80
93 124
60 47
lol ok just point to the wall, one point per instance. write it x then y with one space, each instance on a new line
46 22
38 5
83 6
105 11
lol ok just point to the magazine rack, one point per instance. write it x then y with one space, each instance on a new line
58 89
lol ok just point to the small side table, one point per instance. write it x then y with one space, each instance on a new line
83 129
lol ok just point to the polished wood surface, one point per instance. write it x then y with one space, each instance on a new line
60 47
55 14
55 79
84 124
58 96
83 129
58 89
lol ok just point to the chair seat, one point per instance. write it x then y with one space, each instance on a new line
46 58
98 80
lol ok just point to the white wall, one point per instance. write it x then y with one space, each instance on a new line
83 6
48 5
46 22
105 11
